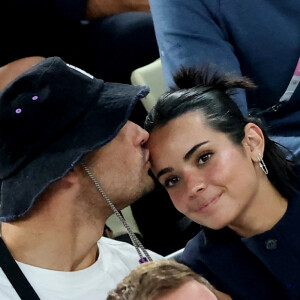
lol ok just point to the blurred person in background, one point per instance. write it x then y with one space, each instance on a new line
165 280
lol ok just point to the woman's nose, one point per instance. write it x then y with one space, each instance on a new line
195 186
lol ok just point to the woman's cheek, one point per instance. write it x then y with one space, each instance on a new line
177 200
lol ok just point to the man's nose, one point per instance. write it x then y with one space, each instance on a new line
145 135
142 136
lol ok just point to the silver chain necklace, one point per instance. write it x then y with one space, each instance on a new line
142 252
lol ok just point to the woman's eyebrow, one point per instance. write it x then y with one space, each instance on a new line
186 157
164 171
192 150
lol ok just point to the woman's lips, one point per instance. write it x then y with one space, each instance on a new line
207 204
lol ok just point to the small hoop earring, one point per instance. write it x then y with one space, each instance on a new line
262 164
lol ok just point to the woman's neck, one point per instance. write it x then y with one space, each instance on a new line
264 211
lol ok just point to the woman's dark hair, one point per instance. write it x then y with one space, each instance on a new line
209 92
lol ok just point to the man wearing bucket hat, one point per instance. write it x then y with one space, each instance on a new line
69 158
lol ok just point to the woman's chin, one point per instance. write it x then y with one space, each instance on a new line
212 225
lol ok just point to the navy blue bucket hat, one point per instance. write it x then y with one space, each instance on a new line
50 117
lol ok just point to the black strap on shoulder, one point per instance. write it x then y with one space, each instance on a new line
15 275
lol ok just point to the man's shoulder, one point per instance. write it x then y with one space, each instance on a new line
122 248
113 243
6 290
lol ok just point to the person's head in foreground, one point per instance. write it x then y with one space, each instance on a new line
219 167
61 131
164 280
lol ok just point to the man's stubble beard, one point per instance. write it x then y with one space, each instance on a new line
143 189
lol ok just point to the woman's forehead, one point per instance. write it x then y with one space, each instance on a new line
186 127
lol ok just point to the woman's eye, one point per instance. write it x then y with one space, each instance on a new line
170 182
204 158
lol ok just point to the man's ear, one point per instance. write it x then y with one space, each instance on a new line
254 141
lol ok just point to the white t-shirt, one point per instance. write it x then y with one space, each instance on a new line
115 261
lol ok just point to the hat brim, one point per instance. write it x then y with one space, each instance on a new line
89 133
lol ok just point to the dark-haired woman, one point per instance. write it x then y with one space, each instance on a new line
223 172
